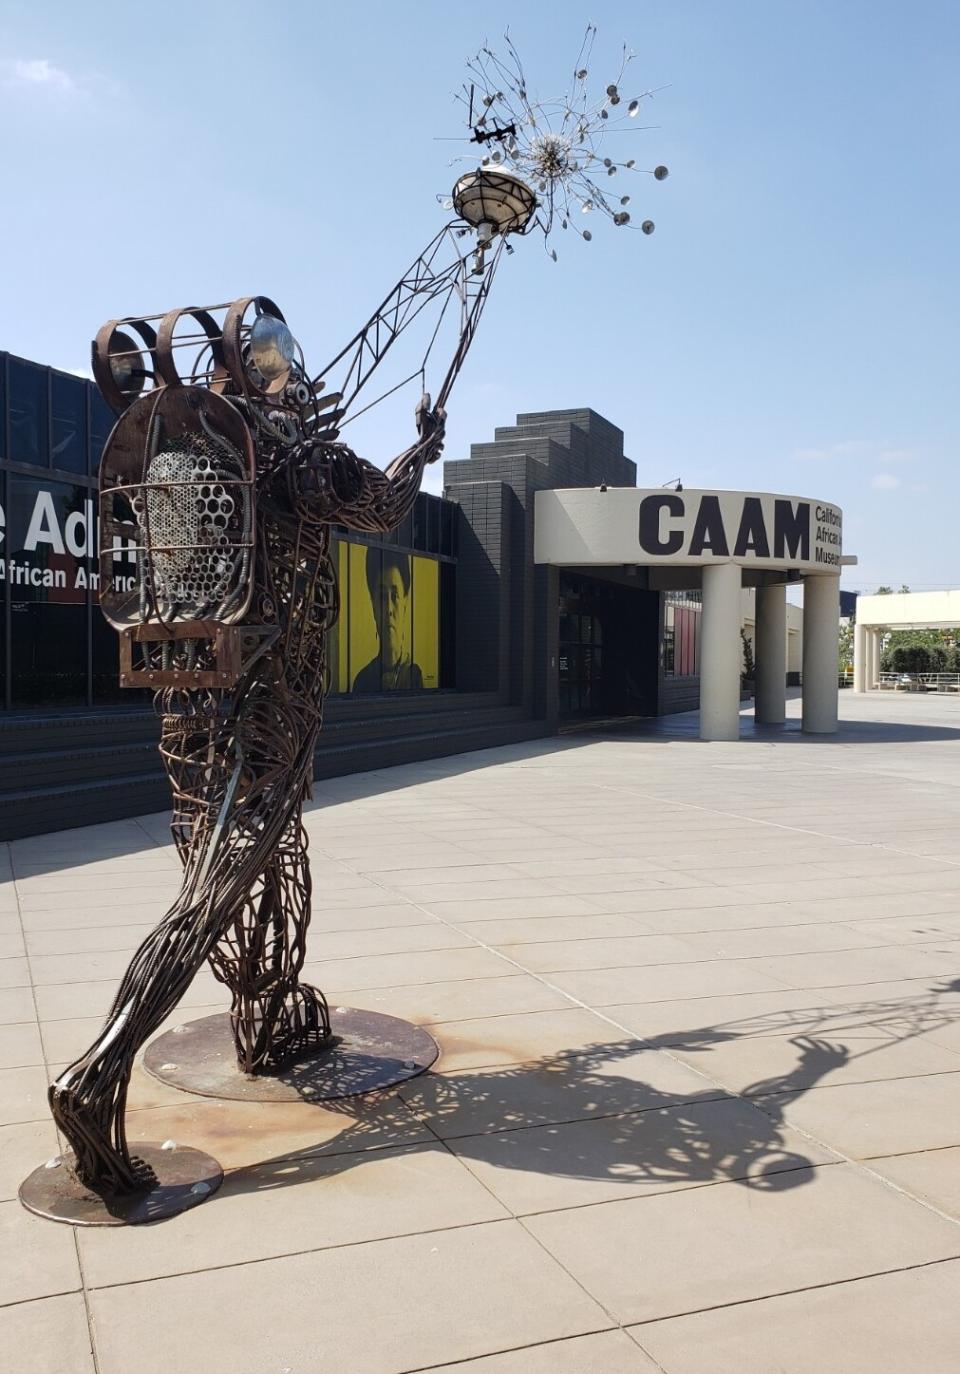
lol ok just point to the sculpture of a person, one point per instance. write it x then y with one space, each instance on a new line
240 764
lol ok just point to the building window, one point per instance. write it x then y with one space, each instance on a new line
28 413
681 634
102 420
68 423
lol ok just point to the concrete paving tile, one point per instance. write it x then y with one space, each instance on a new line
813 938
666 982
356 918
64 1040
610 1352
97 899
892 904
17 1005
932 1175
902 930
23 1147
395 970
866 1120
243 1134
557 956
939 880
447 1295
157 860
20 1045
14 973
389 859
524 930
719 918
38 1258
656 880
23 1095
403 879
353 944
506 908
528 1035
788 891
759 1065
429 894
462 999
883 1325
612 1079
142 912
711 1020
11 936
857 966
749 876
705 1247
603 865
52 969
67 884
678 899
291 1205
46 1337
86 940
66 1001
580 1163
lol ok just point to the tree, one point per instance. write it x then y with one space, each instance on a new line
845 657
918 651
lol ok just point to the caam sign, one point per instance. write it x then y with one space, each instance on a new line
630 525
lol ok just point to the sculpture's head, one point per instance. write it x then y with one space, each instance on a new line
205 399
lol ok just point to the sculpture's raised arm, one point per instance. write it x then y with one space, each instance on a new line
329 483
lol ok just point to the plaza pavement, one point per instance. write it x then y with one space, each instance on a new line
697 1111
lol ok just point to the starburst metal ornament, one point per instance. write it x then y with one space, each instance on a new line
568 148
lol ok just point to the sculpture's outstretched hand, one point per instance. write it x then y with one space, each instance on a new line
328 482
431 426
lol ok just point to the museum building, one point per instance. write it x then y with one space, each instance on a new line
542 589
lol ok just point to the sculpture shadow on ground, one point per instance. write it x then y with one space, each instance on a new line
576 1115
597 1114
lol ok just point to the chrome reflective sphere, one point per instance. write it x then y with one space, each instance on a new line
272 348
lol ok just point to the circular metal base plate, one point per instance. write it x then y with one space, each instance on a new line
185 1178
369 1052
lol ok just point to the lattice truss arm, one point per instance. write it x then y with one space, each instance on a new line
330 482
440 274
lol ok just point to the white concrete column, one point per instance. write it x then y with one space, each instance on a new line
870 659
821 632
721 653
771 655
877 653
859 658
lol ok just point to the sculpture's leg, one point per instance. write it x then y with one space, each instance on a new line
88 1099
275 1018
225 862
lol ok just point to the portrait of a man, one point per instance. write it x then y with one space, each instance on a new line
388 582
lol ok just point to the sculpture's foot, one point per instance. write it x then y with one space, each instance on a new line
97 1163
302 1027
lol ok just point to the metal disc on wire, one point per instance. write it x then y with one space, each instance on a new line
369 1052
185 1178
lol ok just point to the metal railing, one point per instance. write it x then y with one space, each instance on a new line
919 682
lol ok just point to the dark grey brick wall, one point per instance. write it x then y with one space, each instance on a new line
498 584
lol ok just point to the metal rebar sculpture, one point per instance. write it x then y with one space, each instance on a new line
224 475
225 480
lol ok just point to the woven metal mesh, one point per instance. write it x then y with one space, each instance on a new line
192 520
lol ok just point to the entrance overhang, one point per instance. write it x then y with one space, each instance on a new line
720 541
794 536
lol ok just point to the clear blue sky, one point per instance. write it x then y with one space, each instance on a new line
793 325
